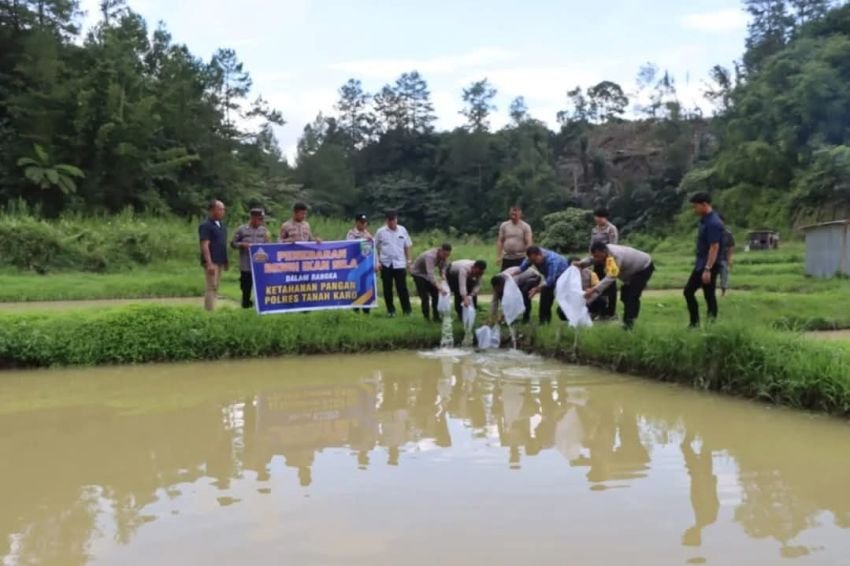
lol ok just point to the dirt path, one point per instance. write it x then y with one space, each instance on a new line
53 306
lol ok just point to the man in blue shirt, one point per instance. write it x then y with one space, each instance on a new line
212 234
551 266
707 267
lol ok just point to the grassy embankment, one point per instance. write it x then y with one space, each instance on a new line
132 256
732 357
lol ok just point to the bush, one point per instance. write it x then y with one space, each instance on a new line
567 231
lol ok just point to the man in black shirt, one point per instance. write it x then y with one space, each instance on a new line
707 266
212 234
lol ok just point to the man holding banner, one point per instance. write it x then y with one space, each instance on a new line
360 232
252 233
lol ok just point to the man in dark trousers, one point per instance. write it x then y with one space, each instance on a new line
707 266
393 244
212 234
429 272
515 237
464 276
633 267
551 266
606 233
254 232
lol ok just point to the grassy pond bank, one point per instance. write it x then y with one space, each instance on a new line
759 363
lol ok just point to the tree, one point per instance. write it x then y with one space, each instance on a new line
579 110
354 117
607 102
518 111
414 104
478 98
719 90
805 11
391 113
112 10
768 30
43 172
230 81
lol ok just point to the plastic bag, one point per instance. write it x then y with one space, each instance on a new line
570 297
469 315
488 337
484 337
495 337
512 304
444 304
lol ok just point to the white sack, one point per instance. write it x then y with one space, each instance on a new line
512 304
469 315
444 304
570 297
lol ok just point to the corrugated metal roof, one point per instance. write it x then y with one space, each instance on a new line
823 224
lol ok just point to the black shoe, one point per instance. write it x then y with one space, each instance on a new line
390 315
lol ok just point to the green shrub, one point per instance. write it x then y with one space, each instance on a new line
568 230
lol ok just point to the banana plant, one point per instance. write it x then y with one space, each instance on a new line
44 173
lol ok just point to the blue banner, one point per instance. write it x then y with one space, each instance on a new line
309 276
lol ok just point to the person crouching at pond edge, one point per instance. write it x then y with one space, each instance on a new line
707 265
633 267
212 234
254 232
425 270
464 277
551 266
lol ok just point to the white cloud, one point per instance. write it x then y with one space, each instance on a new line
718 21
446 64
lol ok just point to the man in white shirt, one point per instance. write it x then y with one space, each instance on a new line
393 246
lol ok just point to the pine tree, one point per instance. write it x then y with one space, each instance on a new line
414 100
354 117
519 111
768 30
479 104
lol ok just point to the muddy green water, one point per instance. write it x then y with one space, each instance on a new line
405 459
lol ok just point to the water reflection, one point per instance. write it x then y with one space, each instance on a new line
87 471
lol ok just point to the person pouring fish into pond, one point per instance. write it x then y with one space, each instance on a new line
464 278
425 270
631 266
551 266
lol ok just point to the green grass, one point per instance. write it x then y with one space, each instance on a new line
129 256
738 359
140 334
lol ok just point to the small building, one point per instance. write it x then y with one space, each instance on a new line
763 240
828 249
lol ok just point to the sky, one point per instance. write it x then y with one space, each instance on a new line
299 52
